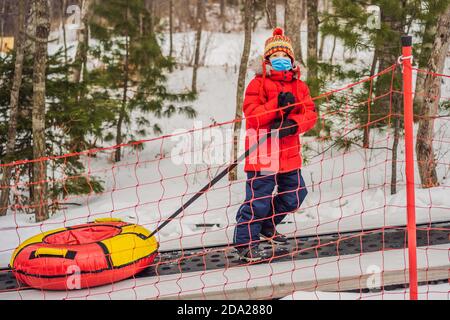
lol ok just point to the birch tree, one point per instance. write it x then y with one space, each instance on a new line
198 39
432 89
39 194
292 26
312 56
14 109
83 41
241 84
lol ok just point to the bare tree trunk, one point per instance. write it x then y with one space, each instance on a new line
30 29
83 41
63 28
366 135
313 76
223 15
313 31
190 13
292 26
152 10
386 56
326 9
198 39
419 92
38 114
122 112
241 85
271 13
430 109
396 101
170 28
333 49
429 35
2 24
14 110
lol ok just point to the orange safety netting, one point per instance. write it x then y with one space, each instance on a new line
347 239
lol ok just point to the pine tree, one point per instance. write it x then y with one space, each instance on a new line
350 23
134 72
14 109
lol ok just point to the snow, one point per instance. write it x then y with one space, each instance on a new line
260 279
347 190
348 193
429 292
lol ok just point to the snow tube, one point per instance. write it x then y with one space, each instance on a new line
84 256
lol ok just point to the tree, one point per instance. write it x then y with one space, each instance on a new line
134 69
393 18
82 40
39 194
429 18
2 23
432 89
14 109
198 40
170 28
223 14
292 26
62 13
69 123
323 37
312 57
271 12
241 83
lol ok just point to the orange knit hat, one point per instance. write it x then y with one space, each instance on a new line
279 42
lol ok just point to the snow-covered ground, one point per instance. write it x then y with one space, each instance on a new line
429 292
347 190
266 281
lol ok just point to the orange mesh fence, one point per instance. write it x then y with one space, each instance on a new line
348 238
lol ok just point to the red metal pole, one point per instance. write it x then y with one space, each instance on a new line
409 159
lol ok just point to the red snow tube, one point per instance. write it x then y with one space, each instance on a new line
84 256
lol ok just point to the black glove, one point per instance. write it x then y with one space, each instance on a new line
287 127
285 99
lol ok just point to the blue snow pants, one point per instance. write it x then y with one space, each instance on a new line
262 211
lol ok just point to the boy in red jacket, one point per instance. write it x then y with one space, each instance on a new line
276 101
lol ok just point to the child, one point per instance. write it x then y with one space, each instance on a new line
276 101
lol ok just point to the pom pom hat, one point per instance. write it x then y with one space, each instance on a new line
279 42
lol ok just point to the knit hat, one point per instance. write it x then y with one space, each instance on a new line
279 42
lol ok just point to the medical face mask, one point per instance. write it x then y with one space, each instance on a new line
281 64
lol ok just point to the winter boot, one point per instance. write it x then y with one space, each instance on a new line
274 237
253 254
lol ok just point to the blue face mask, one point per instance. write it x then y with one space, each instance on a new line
281 64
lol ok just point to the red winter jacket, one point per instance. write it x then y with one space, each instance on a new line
261 110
